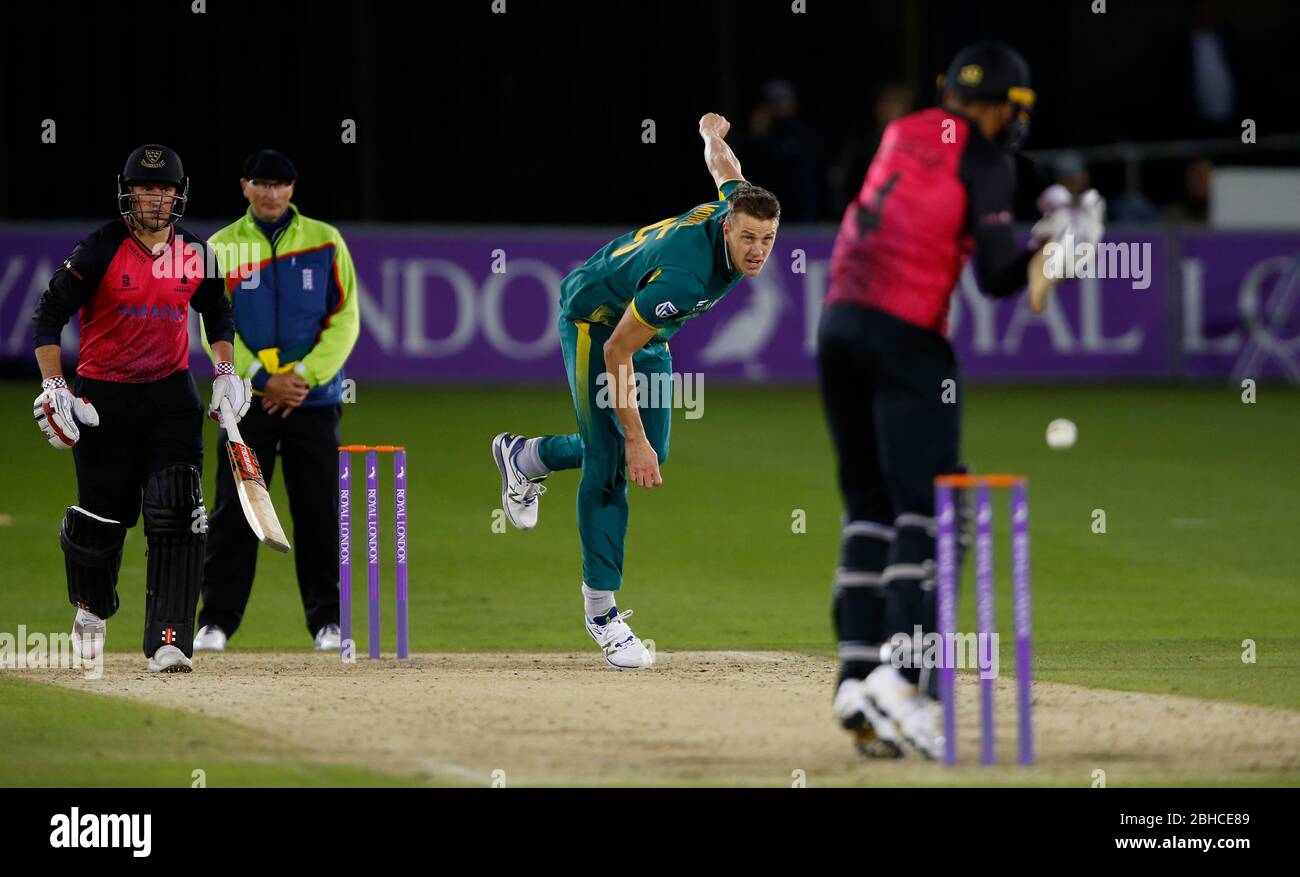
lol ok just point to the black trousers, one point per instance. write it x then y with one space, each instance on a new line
142 428
307 443
896 423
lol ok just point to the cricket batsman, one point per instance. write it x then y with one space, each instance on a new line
940 186
617 312
132 417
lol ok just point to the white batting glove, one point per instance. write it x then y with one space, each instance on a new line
238 392
1083 217
1089 217
57 413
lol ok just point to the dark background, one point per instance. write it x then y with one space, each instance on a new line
534 116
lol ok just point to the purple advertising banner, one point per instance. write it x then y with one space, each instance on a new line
1240 306
481 305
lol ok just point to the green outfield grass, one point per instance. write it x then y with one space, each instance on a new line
1199 554
55 737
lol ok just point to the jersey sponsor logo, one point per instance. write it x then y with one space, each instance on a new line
666 309
702 305
307 282
167 313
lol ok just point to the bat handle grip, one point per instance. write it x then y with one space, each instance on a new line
228 421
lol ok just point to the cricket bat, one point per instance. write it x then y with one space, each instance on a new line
251 486
1040 285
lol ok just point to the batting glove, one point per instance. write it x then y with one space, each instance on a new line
58 412
238 392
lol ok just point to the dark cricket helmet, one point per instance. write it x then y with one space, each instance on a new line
153 163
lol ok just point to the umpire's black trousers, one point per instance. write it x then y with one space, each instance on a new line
307 444
893 402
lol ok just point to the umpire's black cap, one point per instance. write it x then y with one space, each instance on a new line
267 164
991 71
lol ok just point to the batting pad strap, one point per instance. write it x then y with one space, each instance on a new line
859 651
851 578
870 529
897 571
914 521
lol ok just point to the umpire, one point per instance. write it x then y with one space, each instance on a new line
941 185
292 287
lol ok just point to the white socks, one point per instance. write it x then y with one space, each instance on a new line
596 603
529 460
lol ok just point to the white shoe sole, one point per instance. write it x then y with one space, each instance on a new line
587 627
498 454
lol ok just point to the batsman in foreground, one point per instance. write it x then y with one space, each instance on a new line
617 312
941 185
133 282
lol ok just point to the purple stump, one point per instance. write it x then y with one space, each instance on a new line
399 547
1021 608
345 552
372 546
946 551
985 623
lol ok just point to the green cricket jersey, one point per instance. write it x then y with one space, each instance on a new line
668 273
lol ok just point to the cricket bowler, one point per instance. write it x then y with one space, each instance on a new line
133 281
617 312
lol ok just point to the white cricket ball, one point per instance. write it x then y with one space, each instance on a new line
1061 434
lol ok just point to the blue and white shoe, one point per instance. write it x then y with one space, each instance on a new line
519 493
622 649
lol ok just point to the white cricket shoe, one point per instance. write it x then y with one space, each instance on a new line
327 638
915 716
88 634
210 638
623 651
519 494
873 734
169 659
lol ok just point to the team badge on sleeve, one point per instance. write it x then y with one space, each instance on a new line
664 310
